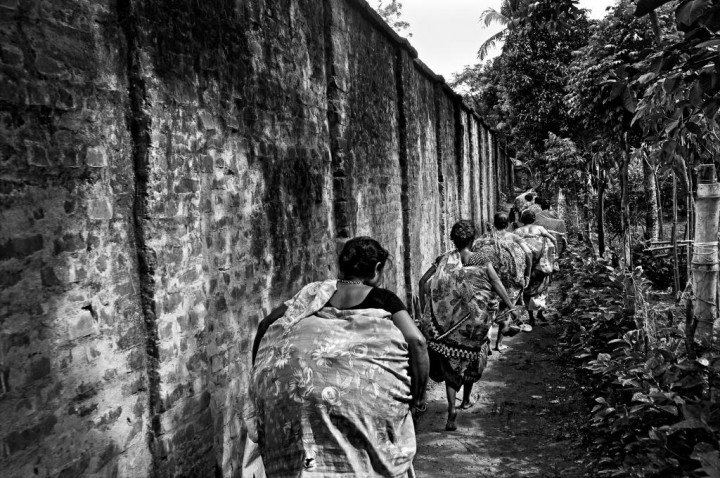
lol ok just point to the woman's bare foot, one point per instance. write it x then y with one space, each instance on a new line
500 347
465 405
450 425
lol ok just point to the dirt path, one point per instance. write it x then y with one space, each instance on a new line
524 422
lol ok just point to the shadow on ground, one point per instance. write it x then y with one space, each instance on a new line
524 422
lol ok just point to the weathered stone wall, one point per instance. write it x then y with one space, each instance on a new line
74 386
173 170
364 124
421 194
448 161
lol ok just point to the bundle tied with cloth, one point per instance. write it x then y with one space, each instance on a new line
325 378
545 234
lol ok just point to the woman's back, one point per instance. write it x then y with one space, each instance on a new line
331 390
530 230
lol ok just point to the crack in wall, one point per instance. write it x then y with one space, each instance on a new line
459 151
404 175
139 122
343 205
440 158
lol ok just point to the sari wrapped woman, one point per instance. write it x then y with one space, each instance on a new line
339 376
512 260
543 246
455 294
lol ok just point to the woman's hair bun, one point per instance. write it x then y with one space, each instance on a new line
359 257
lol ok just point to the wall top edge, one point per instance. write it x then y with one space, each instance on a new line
403 43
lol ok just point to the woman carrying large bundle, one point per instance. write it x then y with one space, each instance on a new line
512 260
339 375
543 246
455 293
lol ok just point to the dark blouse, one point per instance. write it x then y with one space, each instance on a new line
379 298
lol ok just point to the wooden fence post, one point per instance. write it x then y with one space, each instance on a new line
705 255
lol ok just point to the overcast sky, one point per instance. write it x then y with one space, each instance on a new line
447 34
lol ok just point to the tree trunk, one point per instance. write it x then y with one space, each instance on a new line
626 262
673 239
586 220
652 223
705 256
625 212
601 213
560 204
661 220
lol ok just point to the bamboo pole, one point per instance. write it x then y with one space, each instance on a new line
705 255
676 265
601 212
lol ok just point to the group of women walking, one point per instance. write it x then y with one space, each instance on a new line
340 370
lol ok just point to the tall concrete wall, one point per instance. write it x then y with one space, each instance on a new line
173 170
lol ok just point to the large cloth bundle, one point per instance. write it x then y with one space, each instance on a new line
506 256
331 392
554 225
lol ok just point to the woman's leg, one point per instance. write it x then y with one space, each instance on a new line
526 298
503 327
467 390
452 412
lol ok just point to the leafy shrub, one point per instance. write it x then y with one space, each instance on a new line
656 412
658 267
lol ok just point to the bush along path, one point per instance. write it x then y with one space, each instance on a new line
655 410
525 422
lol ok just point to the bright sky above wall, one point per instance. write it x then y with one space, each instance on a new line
447 33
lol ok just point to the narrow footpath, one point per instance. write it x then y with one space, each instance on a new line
524 422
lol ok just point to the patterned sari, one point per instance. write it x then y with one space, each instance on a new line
507 257
539 281
554 225
454 320
331 390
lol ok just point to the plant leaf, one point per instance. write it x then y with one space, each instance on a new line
646 6
690 11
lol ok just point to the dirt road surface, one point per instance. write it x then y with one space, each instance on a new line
524 422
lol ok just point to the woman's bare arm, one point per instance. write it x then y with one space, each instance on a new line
419 360
423 281
545 233
276 313
498 286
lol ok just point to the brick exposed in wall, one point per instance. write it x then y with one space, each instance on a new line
173 171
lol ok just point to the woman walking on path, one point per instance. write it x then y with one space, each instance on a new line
340 372
512 260
537 238
454 296
550 221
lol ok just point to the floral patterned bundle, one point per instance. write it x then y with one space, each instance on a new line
331 392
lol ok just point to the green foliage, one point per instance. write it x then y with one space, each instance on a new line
654 409
484 91
658 266
600 97
563 166
679 110
392 14
533 69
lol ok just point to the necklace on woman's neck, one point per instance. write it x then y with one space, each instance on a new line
344 281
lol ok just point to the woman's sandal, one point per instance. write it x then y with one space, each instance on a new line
450 426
